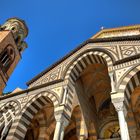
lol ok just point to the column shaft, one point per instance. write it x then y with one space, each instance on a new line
57 132
122 125
62 134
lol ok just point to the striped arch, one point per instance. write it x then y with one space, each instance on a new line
14 104
50 125
83 61
46 123
129 83
22 121
14 107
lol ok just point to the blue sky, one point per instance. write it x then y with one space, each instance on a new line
58 26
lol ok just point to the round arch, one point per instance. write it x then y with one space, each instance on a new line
74 69
23 120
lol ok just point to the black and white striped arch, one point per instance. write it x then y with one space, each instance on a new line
83 61
22 121
129 83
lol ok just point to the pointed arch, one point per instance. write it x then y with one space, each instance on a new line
23 120
129 83
14 108
80 63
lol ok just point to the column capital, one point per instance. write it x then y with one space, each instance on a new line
117 100
111 73
62 119
119 106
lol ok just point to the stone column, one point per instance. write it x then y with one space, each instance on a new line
113 88
61 123
117 100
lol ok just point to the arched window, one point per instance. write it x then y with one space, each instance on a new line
7 57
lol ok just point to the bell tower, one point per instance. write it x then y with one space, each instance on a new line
12 44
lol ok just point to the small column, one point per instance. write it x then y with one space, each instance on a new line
61 123
64 125
117 100
64 96
57 131
113 88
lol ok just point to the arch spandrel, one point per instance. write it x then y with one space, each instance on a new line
122 72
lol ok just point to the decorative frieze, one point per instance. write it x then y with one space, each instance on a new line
48 77
128 51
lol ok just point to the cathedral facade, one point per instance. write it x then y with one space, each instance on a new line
93 93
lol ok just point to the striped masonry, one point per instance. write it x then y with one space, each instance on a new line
128 84
8 112
22 121
83 61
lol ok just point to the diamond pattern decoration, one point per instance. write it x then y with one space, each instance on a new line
128 51
48 77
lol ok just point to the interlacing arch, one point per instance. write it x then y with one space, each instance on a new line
86 59
22 121
8 112
129 83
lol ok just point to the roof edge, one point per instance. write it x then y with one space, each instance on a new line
114 29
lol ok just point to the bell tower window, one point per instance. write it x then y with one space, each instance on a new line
7 57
